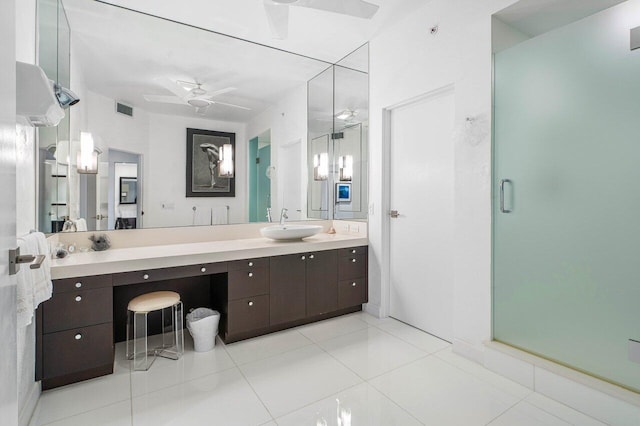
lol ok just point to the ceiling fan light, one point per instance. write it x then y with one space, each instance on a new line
198 103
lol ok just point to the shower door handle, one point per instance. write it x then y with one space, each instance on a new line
502 184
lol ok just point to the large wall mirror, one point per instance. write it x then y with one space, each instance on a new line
338 139
143 81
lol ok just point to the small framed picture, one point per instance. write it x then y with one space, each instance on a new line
343 192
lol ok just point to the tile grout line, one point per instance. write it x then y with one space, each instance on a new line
486 382
224 347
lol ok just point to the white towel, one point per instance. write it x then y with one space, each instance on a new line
81 225
34 285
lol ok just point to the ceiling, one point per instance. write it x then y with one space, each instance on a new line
535 17
124 54
323 35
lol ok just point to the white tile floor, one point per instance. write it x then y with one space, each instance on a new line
383 372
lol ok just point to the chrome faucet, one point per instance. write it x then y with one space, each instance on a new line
283 216
269 218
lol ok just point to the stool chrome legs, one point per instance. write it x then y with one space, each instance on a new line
172 346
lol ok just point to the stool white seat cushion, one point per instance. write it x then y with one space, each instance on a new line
153 301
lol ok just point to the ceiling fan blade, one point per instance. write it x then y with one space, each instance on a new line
278 17
187 85
357 8
220 92
171 86
164 99
231 105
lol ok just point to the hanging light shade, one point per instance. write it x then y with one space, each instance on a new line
225 165
321 166
87 156
346 167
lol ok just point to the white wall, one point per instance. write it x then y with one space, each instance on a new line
407 61
288 123
165 173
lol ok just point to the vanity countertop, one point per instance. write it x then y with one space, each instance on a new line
172 255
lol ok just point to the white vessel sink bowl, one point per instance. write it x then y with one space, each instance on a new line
290 232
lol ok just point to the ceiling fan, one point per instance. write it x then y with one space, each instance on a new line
190 93
278 11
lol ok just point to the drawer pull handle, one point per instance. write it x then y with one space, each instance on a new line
353 284
311 256
250 303
303 257
78 336
78 284
203 269
145 277
250 263
353 251
353 260
78 298
250 274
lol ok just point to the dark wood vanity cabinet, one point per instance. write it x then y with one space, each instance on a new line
77 327
322 282
74 337
287 288
352 275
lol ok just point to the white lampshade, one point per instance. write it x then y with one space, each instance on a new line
321 166
346 167
225 166
87 156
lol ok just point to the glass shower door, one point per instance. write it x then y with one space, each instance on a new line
566 255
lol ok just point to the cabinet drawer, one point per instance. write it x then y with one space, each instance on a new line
77 309
81 283
248 264
352 251
77 350
247 314
352 292
254 282
153 275
352 267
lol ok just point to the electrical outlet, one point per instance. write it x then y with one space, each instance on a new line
355 229
345 227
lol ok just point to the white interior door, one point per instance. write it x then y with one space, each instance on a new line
289 161
421 236
8 352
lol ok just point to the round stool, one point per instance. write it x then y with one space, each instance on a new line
172 347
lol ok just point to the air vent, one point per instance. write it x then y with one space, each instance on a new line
124 109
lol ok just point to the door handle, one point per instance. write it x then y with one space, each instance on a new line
394 214
502 184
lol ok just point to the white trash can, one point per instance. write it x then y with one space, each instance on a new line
202 324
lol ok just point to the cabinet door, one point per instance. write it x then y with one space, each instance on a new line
287 289
322 282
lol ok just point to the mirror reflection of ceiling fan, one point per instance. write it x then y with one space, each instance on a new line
278 11
190 93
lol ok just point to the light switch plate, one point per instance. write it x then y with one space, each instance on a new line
355 229
635 38
634 351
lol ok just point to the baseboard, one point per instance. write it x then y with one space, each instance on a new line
373 309
468 351
601 400
29 406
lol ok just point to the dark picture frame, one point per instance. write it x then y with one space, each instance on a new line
202 168
343 192
128 189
